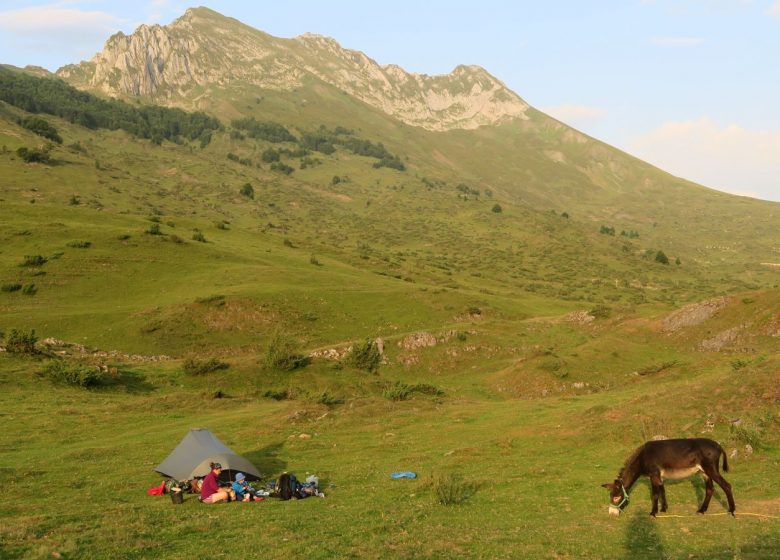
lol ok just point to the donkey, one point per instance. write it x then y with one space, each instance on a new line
673 459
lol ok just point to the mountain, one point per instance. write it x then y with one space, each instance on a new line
204 48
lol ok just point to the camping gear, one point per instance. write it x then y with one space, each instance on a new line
193 456
404 474
288 486
177 496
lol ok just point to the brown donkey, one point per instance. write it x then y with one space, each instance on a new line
673 459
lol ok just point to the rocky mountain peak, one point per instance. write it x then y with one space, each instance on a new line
203 48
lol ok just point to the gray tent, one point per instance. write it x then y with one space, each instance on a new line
200 447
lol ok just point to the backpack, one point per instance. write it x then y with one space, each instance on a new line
287 486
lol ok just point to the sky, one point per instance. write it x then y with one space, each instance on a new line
691 86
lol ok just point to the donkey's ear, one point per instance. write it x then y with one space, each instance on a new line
608 485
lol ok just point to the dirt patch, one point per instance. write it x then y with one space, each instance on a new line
695 314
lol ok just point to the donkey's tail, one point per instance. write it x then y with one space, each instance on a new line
725 460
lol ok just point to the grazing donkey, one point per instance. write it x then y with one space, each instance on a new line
674 459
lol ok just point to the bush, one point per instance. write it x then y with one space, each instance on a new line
60 371
329 400
34 260
248 191
661 257
42 127
20 342
75 200
282 353
30 290
33 155
601 312
497 208
365 356
153 229
198 236
401 391
80 244
282 167
452 489
10 287
202 367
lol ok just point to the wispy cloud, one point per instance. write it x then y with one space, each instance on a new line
676 41
58 18
774 9
726 157
60 31
575 114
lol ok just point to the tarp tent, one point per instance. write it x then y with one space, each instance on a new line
200 447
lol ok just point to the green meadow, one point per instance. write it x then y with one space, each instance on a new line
552 347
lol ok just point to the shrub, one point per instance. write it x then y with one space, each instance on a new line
201 367
282 167
33 155
248 191
198 236
661 257
497 208
336 180
401 391
365 356
153 229
80 244
42 127
34 260
30 290
313 260
123 237
452 489
74 200
270 155
601 312
282 353
329 400
11 287
20 342
60 371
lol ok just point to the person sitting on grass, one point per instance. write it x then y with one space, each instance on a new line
244 492
211 492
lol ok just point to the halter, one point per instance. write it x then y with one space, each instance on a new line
624 502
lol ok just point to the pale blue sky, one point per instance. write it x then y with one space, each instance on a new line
692 86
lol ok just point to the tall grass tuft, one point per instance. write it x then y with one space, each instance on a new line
282 353
452 489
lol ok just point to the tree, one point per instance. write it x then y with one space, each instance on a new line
661 257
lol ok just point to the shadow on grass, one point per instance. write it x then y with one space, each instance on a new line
132 381
642 538
267 461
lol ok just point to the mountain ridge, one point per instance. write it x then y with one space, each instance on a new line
204 48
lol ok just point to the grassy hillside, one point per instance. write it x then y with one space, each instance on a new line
550 350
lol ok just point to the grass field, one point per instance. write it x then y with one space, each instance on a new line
551 350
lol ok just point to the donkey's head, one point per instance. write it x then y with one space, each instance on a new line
618 497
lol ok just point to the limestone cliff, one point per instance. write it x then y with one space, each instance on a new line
204 48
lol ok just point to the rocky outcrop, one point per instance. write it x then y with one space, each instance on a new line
694 314
204 48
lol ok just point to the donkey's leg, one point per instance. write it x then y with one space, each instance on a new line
664 505
727 489
657 483
708 489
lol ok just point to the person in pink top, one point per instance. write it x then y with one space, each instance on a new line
210 492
